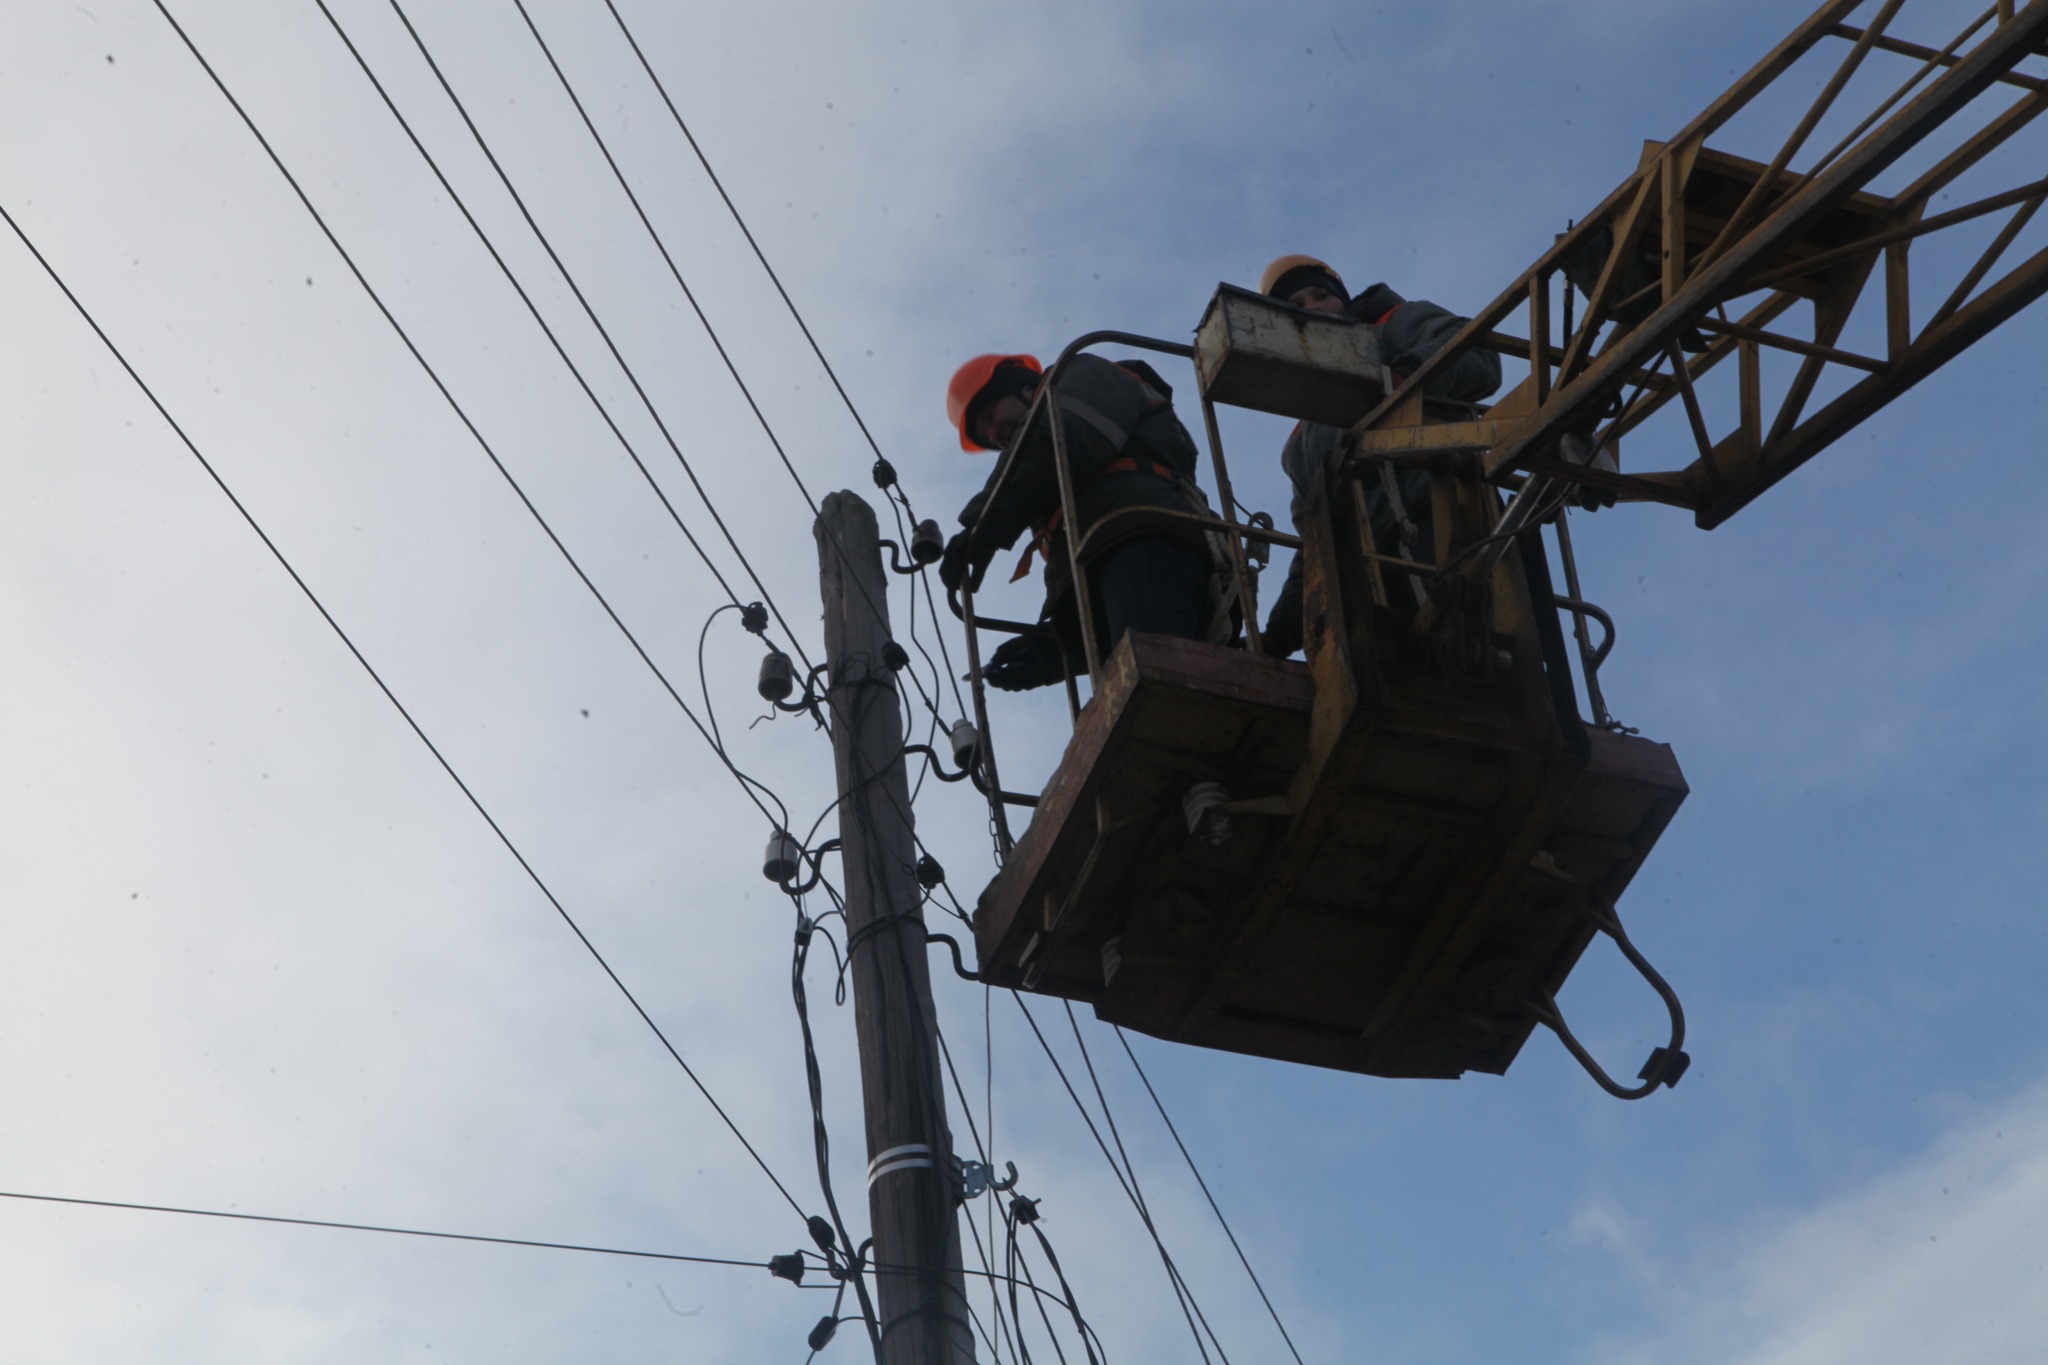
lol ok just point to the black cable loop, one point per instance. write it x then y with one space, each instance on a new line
959 966
711 716
377 678
1013 1261
1067 1291
931 733
807 700
539 318
937 768
896 562
821 1138
897 512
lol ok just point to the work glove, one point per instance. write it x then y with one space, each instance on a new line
956 564
1022 662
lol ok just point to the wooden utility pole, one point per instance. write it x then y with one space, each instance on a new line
921 1296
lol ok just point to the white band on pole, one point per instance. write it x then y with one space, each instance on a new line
910 1156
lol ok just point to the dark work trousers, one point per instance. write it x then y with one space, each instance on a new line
1157 585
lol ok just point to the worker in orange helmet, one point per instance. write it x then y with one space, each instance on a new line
1126 449
1409 332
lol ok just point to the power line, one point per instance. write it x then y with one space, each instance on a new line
1166 1257
796 314
732 208
1213 1206
482 442
675 272
574 289
1131 1170
662 247
375 1227
389 695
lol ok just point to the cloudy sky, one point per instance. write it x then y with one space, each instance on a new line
259 953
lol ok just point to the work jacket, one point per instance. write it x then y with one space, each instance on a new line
1125 448
1410 332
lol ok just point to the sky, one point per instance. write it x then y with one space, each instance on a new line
260 954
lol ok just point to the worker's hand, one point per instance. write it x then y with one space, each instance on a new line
955 563
1023 662
1275 644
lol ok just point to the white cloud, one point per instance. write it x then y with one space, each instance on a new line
1945 1258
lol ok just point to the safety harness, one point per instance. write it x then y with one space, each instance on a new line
1041 535
1223 591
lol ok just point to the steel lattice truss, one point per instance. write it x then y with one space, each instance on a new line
1702 257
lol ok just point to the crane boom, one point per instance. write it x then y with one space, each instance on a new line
1701 256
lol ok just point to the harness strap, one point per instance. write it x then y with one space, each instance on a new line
1042 535
1391 487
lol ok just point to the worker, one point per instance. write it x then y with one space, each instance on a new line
1125 449
1398 501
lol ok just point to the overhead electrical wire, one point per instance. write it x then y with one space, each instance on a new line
662 247
776 444
1165 1256
718 747
689 295
733 208
237 1216
1131 1172
377 678
796 314
1213 1206
703 318
618 173
377 1227
569 279
427 366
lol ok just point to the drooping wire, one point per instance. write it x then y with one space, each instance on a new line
569 279
377 678
1014 1261
1213 1206
377 1227
711 716
820 1135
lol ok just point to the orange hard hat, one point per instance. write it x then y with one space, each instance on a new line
968 382
1287 265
